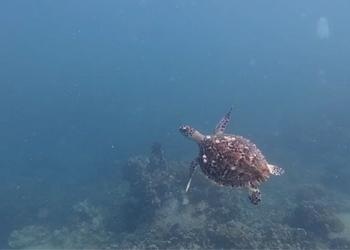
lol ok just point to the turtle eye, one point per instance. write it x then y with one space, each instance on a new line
185 130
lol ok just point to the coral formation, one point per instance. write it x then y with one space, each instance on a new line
315 217
157 159
339 243
308 192
30 237
87 231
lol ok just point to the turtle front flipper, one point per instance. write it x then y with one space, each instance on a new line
220 128
275 170
254 195
194 165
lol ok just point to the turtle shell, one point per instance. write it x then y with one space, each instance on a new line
233 161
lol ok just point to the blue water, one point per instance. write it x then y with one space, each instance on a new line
87 84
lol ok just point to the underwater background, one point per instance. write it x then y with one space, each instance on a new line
92 94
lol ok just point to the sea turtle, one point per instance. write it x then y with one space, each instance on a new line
230 160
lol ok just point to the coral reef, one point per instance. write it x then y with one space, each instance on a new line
150 187
87 231
339 243
308 192
30 237
316 218
148 209
157 159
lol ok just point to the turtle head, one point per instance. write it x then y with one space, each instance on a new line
191 133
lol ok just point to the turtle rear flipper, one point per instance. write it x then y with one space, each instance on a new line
254 195
275 170
194 165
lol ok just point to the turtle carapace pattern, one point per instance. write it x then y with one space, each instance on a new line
230 160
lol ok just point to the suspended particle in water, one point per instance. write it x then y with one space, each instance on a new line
322 28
